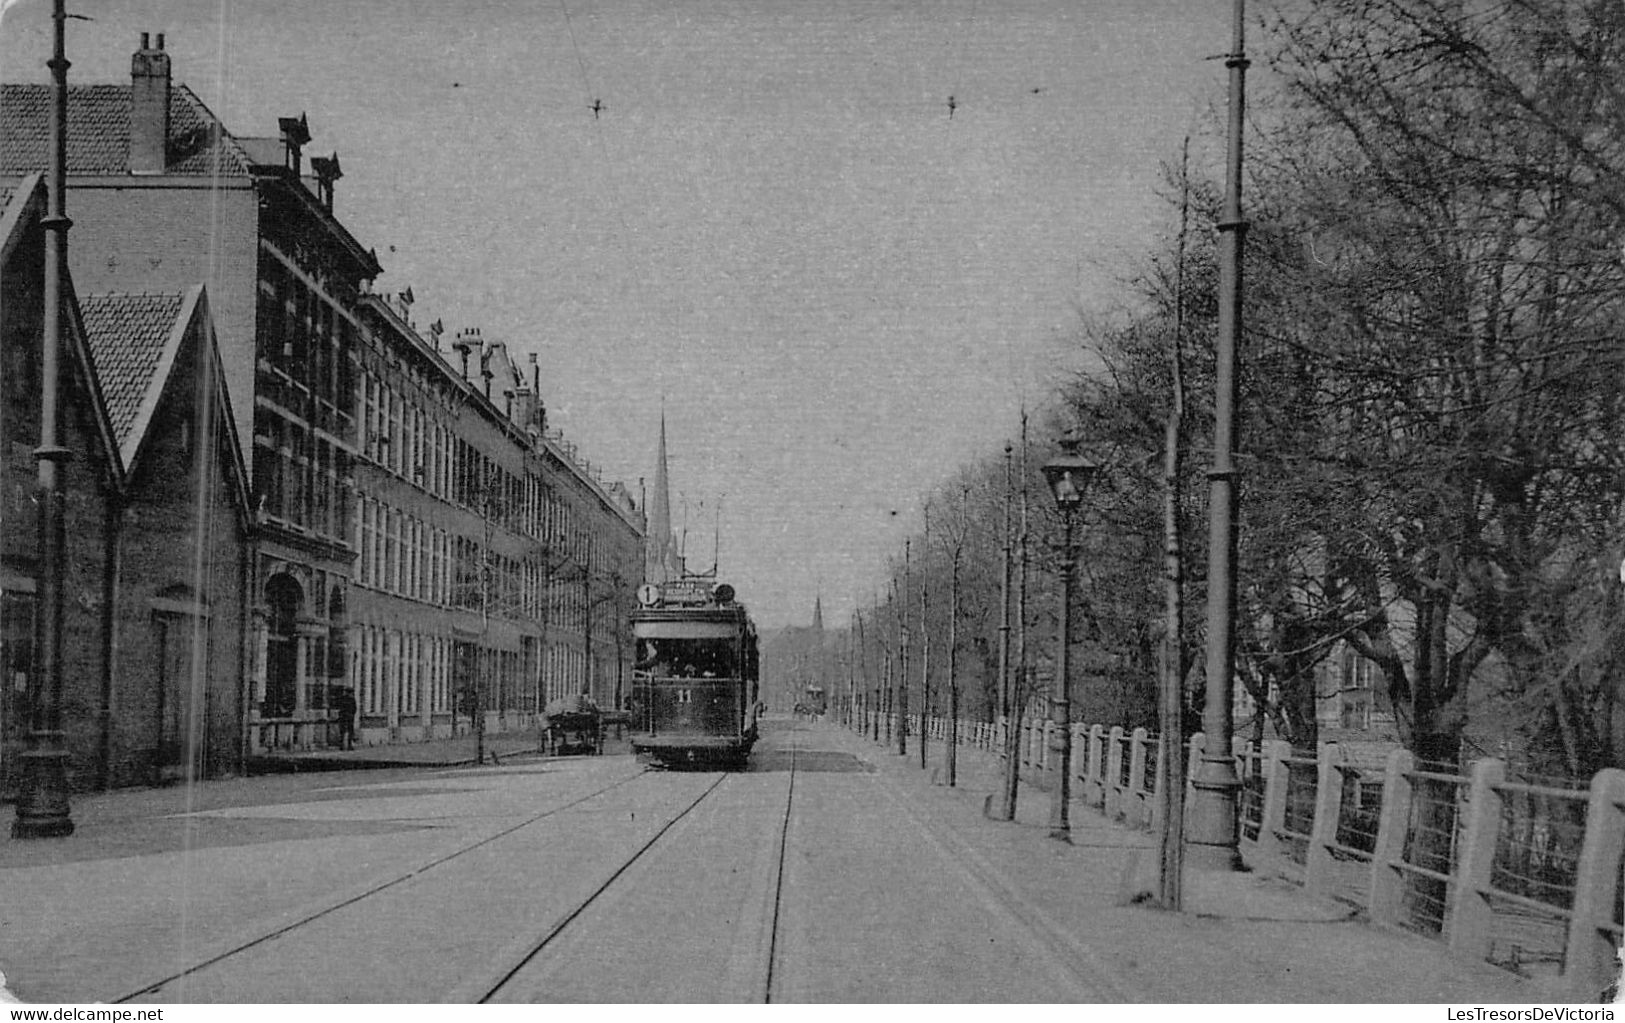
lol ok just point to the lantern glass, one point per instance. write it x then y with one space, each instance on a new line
1069 473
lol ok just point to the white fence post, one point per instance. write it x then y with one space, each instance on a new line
1471 915
1193 756
1277 776
1114 773
1079 761
1319 862
1095 759
1387 874
1591 959
1134 810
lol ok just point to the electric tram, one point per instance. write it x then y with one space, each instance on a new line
695 696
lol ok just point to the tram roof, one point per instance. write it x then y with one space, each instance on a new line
732 614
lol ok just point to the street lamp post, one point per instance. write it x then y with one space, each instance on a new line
1212 832
1068 475
42 803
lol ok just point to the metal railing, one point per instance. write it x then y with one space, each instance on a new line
1528 874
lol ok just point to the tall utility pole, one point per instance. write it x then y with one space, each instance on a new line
1060 698
851 669
42 803
863 652
882 675
482 658
886 697
902 663
1012 761
1171 789
952 756
1214 839
925 646
1004 594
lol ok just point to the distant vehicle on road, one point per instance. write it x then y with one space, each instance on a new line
695 684
574 725
813 704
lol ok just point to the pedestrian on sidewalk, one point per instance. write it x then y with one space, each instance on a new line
344 705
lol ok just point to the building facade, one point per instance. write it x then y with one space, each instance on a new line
153 670
164 197
408 533
494 571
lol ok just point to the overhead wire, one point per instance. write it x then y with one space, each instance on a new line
635 271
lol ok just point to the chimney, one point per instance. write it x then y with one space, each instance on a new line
327 171
295 136
467 338
149 108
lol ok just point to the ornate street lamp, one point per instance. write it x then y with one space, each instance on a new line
42 803
1068 475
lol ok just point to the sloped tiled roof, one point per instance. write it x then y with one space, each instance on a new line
127 336
5 194
99 132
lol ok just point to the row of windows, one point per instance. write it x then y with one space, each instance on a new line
566 672
401 436
404 555
407 674
304 338
302 477
404 672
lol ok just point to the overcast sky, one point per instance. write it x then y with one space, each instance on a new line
840 293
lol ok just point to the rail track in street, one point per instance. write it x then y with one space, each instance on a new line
308 915
745 973
809 877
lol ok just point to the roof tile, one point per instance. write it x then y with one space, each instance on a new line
99 132
127 335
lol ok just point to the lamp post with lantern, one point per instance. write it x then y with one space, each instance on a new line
1068 475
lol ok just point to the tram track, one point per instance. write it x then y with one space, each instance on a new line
778 878
309 913
507 979
749 914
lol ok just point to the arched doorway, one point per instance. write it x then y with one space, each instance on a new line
284 598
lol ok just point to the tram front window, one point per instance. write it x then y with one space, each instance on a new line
687 658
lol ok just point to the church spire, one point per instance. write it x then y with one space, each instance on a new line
660 562
818 613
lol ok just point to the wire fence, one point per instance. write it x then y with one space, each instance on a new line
1250 765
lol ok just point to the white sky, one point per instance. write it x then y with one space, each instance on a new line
841 294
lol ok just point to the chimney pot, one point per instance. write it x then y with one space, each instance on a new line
149 108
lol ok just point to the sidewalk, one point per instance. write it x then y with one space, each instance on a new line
434 753
458 752
1242 937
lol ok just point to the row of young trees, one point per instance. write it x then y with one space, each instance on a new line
1431 437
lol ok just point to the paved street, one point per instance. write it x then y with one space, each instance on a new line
831 871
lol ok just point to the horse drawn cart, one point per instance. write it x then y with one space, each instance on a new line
574 725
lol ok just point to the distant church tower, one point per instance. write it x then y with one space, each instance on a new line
661 562
818 613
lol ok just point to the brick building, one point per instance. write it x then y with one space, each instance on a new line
88 483
156 511
404 526
178 541
165 197
494 570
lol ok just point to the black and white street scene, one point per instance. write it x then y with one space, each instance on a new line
812 501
